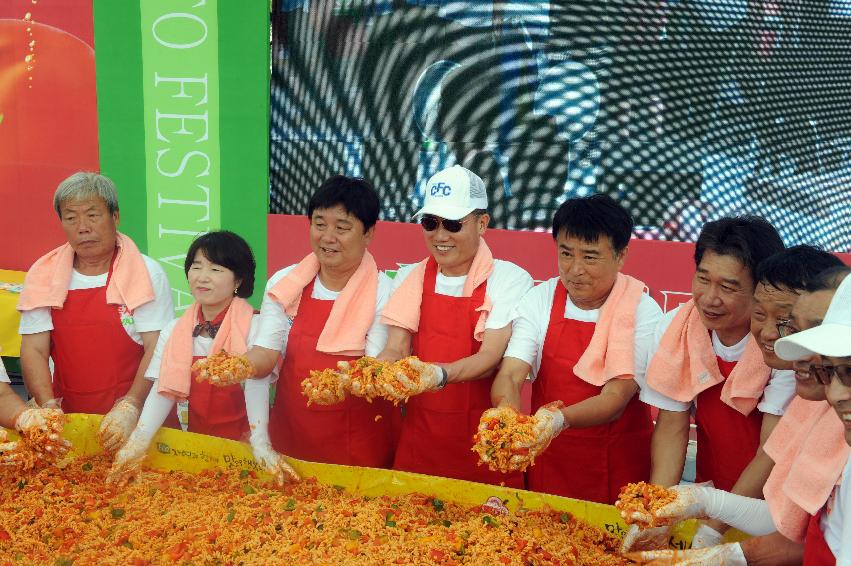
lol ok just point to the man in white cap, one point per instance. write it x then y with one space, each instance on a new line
454 311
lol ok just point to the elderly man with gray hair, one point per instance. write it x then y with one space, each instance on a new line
95 306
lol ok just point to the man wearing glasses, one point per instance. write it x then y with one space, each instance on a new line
808 449
453 310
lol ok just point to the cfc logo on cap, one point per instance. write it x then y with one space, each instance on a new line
441 190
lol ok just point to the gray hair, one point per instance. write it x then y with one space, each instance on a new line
85 185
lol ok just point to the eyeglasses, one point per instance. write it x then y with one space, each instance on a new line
430 223
786 328
824 374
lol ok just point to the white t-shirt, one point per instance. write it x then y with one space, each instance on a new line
149 317
532 320
778 392
506 286
201 345
836 522
274 325
4 377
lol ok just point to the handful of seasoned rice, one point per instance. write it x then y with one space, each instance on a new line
223 369
503 440
639 503
325 387
38 445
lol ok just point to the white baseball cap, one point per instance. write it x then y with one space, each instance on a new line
454 193
831 338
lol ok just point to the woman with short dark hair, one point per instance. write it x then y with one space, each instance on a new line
220 270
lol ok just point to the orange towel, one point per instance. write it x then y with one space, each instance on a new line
685 364
809 450
611 352
353 312
403 308
46 283
176 366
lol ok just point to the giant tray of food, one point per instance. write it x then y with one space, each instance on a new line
203 500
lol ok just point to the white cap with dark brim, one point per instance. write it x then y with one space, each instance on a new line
454 193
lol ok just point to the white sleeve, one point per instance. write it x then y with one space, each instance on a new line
647 317
274 324
778 393
648 394
843 557
4 377
505 293
153 316
154 413
153 371
747 514
529 327
35 321
376 336
257 406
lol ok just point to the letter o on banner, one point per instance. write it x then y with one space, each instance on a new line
176 45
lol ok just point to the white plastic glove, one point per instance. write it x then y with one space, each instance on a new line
705 537
638 539
128 461
726 554
36 418
549 422
272 461
7 457
118 424
432 378
689 504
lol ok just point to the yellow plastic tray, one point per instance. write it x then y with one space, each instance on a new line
176 450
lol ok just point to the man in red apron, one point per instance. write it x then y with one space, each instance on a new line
603 442
319 312
726 255
453 310
95 306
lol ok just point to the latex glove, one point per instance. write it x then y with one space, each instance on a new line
127 463
726 554
8 457
357 387
431 378
35 418
272 461
705 537
118 424
637 539
549 422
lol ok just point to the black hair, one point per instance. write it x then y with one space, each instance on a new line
357 196
794 267
228 250
749 239
589 218
829 279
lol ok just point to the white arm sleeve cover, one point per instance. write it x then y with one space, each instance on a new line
744 513
257 407
153 415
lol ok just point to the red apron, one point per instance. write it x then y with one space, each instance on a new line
816 550
726 439
95 360
437 431
585 463
354 432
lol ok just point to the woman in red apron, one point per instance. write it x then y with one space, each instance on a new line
584 463
438 427
220 270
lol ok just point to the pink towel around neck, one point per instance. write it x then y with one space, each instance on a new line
685 365
353 312
46 283
176 366
611 352
809 451
403 308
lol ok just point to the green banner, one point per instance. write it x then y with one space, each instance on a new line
183 90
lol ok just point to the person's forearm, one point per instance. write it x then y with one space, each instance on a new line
772 550
263 360
597 410
37 377
480 365
141 386
668 449
506 392
10 406
398 344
